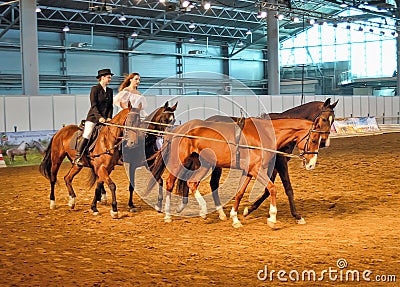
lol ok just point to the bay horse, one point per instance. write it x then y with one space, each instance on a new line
214 142
102 158
309 111
145 147
19 151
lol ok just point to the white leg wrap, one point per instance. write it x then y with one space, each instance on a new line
167 217
71 202
221 213
235 220
202 203
272 213
52 204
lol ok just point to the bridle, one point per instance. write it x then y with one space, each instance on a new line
308 135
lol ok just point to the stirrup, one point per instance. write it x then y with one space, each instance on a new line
78 162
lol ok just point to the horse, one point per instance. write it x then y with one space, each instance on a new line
212 142
309 111
102 158
145 147
20 151
41 149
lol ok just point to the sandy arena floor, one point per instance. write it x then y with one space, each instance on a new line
350 202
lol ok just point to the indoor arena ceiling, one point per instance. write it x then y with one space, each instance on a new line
226 22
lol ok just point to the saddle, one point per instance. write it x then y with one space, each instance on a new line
78 134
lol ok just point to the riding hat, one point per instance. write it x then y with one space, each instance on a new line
103 72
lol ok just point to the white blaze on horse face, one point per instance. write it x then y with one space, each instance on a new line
312 163
328 141
330 120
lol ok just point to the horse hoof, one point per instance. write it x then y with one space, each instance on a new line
71 202
300 221
96 213
132 209
167 219
52 204
203 214
246 211
237 224
103 199
274 225
180 208
222 216
157 208
114 214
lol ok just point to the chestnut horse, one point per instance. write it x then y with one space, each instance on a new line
309 111
216 145
102 158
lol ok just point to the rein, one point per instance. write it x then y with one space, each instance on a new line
211 139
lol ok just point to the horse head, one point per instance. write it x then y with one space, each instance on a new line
164 115
310 144
132 120
327 115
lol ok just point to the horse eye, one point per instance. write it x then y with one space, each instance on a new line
314 141
324 120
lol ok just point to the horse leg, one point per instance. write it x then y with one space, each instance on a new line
261 199
131 187
158 206
169 186
283 170
97 197
105 177
244 182
214 184
193 184
271 221
24 155
68 181
103 197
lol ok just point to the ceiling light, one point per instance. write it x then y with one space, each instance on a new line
295 19
192 25
122 18
206 5
161 1
66 28
38 10
248 32
343 4
192 39
262 14
185 3
134 34
279 16
311 21
240 44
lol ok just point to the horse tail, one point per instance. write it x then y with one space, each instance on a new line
158 167
191 163
45 165
92 178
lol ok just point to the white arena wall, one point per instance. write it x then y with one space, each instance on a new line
51 112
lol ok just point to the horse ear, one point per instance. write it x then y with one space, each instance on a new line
334 104
327 102
166 105
174 106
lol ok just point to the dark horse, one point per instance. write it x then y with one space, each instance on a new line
145 147
309 111
216 145
102 158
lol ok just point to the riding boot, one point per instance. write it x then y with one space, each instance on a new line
80 150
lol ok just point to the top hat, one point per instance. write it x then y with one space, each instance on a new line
103 72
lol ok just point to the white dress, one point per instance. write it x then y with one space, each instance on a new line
122 98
